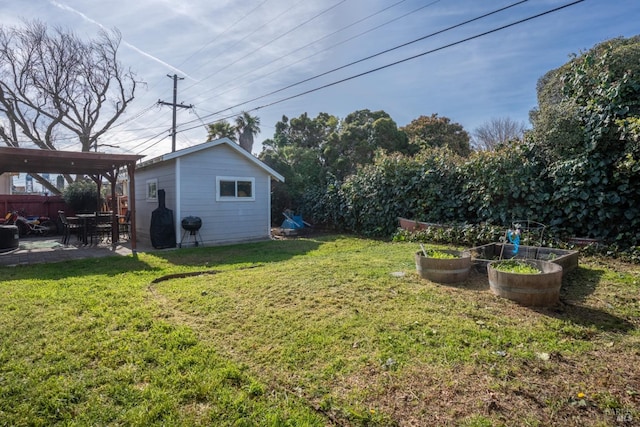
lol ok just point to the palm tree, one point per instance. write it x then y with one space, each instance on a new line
222 129
247 127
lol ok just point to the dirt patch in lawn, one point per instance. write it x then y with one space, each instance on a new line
556 392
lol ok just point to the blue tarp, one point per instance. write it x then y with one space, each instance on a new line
293 222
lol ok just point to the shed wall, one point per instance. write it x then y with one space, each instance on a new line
166 176
223 221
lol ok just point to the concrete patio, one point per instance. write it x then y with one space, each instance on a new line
34 250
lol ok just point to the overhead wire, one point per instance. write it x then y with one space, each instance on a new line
271 41
149 140
382 52
168 132
246 15
253 71
234 24
206 125
264 45
448 45
468 21
136 116
284 12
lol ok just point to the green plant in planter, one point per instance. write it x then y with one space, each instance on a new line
432 253
513 266
81 196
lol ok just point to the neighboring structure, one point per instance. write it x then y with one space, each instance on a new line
225 186
5 183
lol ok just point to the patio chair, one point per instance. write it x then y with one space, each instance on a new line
125 226
67 228
101 227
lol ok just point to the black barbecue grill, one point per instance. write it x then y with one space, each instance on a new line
191 225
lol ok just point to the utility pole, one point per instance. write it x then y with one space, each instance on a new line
175 105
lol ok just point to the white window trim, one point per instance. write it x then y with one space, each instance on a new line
220 198
152 197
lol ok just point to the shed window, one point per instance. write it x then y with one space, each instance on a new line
152 189
235 188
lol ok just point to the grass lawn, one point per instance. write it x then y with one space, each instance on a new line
310 332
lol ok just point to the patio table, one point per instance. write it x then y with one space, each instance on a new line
85 220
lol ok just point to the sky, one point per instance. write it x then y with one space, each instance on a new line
289 57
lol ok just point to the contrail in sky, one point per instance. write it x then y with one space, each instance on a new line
129 45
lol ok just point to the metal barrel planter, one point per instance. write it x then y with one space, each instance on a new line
531 290
9 238
444 270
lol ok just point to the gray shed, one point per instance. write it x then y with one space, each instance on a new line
218 181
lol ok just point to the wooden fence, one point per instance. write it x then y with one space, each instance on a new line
33 205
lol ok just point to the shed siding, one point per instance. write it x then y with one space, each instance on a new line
223 221
165 174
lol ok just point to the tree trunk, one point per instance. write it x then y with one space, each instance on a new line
46 184
246 140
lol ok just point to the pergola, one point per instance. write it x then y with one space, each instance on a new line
95 165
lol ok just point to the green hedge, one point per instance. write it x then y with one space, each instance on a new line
586 196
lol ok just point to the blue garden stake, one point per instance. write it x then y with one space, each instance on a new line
514 238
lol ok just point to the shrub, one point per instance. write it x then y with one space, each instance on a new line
81 196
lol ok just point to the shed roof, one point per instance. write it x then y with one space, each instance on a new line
29 160
208 145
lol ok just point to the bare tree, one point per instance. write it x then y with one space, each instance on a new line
497 131
55 86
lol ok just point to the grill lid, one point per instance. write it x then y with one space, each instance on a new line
191 223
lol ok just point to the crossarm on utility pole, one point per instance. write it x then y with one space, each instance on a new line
175 106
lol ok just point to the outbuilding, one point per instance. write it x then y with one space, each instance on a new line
219 182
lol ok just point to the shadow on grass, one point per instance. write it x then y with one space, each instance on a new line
576 288
580 283
245 253
107 265
589 317
477 281
204 257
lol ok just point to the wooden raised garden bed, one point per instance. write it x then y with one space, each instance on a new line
538 289
483 255
444 269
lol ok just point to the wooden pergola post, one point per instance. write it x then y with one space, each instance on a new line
131 167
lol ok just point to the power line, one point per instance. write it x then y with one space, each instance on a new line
131 150
152 145
271 41
289 31
139 114
449 45
199 118
136 116
371 56
316 41
223 32
174 132
147 128
199 50
284 12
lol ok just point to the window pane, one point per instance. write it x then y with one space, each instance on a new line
244 189
152 190
227 189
